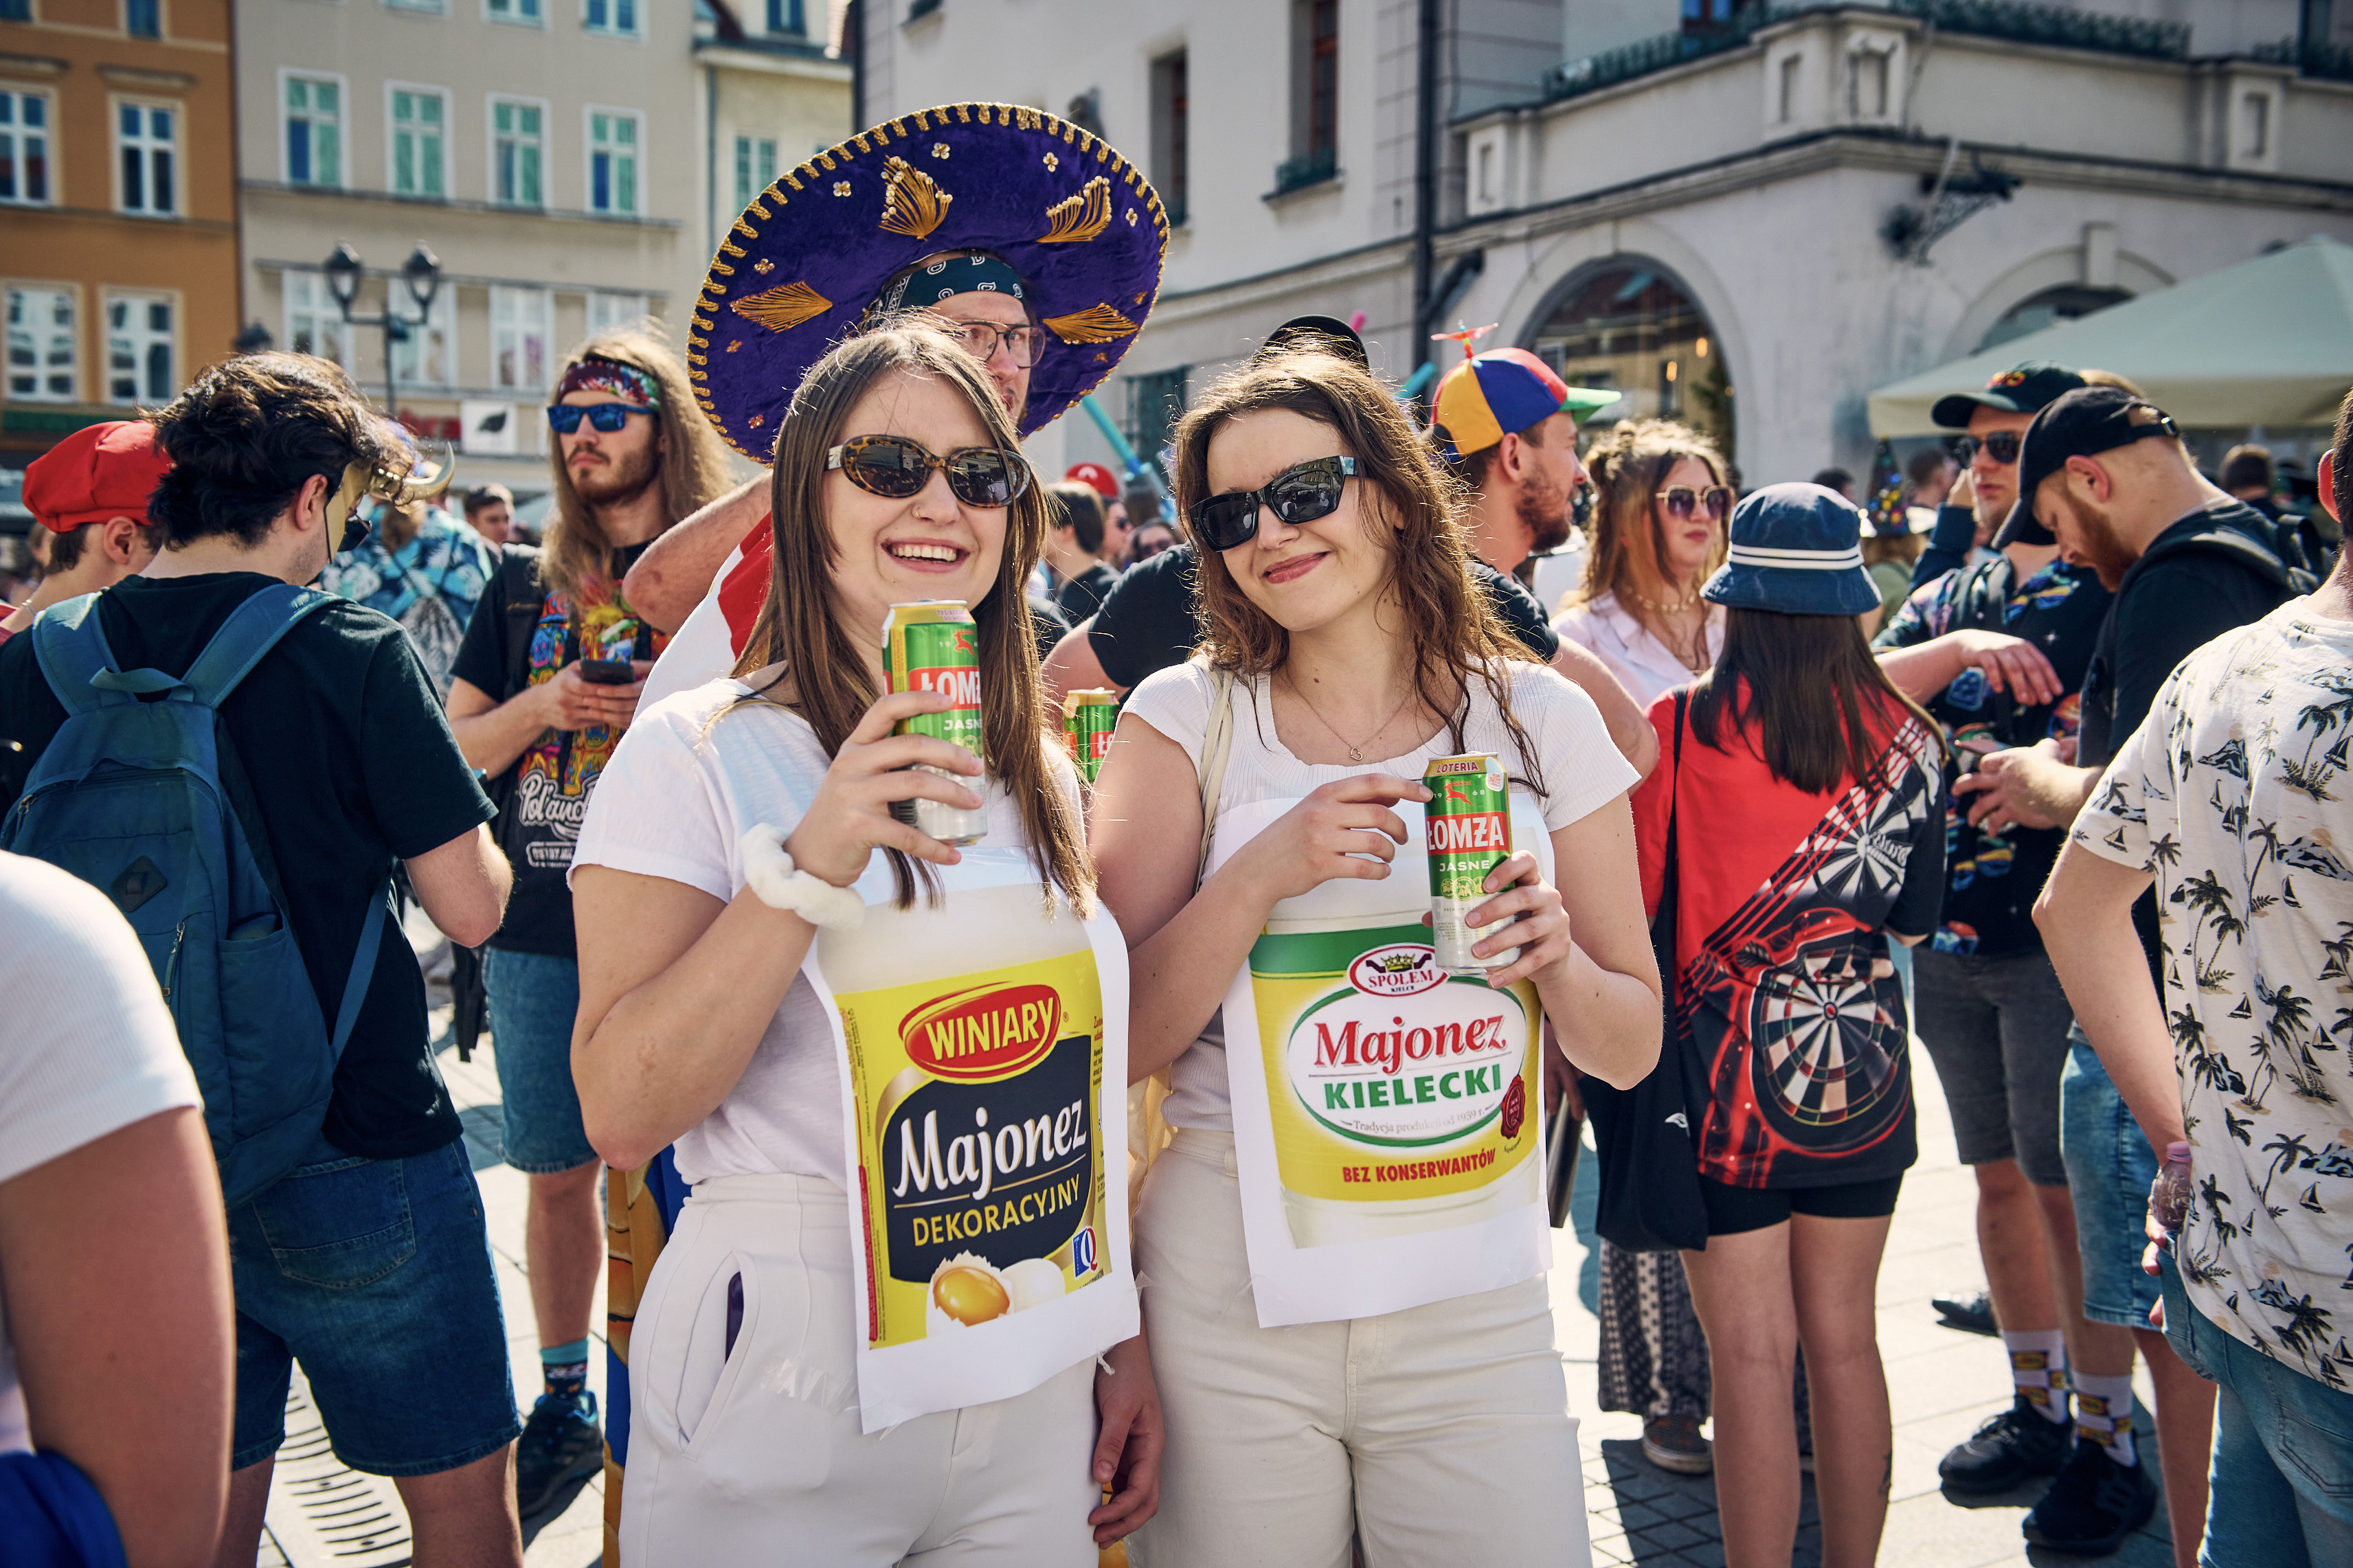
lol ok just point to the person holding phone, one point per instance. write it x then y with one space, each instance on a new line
546 680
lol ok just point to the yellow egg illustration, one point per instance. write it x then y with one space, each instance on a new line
970 1295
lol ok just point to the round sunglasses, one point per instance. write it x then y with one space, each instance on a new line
565 417
2001 446
1300 493
980 339
1682 500
895 467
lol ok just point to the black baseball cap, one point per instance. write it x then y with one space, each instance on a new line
2080 423
1328 333
2025 388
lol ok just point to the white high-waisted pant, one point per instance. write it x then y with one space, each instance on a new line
756 1456
1441 1435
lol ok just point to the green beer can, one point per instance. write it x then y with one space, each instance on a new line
933 645
1088 720
1468 823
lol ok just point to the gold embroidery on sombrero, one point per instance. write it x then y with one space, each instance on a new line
917 205
783 307
1095 324
764 266
1082 216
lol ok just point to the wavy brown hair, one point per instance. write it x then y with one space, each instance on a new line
1449 625
1628 462
832 685
694 469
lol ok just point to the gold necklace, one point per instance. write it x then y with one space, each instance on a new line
1356 752
1696 660
1671 608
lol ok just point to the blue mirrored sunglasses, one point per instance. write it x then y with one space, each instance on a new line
565 417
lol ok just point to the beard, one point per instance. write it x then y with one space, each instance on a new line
618 479
2097 544
1544 510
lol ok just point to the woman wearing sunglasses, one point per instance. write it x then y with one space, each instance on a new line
742 828
1333 1368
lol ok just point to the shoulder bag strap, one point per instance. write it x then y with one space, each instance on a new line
1217 748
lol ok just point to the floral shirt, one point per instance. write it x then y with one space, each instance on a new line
429 586
2236 794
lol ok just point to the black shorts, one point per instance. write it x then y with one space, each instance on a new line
1731 1210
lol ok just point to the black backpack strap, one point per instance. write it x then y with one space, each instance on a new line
520 589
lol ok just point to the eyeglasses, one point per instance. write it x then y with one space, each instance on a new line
2001 446
981 339
565 417
1299 494
895 467
1682 500
1145 549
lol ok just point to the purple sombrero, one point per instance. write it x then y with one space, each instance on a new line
1079 223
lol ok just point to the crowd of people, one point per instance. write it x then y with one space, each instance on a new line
998 1162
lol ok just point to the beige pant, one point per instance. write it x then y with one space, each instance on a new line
755 1456
1439 1435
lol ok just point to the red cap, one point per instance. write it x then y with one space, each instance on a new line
100 471
1096 478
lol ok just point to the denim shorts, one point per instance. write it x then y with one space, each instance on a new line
376 1275
1996 1027
2109 1168
533 997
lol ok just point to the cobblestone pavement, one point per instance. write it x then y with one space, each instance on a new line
1945 1383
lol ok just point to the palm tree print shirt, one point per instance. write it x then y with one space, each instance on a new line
2236 794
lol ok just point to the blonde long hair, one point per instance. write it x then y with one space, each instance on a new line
832 687
1628 462
694 467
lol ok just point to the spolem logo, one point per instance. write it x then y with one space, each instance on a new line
1406 970
988 1032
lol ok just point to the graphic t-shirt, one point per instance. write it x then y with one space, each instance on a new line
429 584
1782 975
557 771
352 766
2236 796
1991 879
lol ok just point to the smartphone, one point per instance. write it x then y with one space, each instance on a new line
607 672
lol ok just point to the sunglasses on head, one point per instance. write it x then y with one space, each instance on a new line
2001 446
565 417
1682 500
1299 494
895 468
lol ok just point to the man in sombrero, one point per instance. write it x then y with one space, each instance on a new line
1039 244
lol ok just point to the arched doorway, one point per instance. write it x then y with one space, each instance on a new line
1630 324
2048 309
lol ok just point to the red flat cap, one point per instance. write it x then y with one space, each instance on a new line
100 471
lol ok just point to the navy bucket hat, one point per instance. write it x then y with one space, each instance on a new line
1796 550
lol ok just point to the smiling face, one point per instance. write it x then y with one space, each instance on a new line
608 467
928 546
1318 572
1686 543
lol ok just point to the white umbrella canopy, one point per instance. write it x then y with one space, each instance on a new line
2268 342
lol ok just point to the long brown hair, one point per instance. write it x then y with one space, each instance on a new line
1810 682
694 464
1629 463
1449 623
832 685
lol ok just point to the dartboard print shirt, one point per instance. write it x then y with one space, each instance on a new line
2236 794
1783 979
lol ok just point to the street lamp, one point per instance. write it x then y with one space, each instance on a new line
422 271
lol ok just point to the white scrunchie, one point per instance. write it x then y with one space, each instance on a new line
769 871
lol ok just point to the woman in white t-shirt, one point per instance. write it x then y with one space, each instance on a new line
700 1025
1347 649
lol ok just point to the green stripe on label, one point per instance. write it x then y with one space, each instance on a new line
1326 952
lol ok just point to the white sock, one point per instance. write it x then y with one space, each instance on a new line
2038 1365
2104 1408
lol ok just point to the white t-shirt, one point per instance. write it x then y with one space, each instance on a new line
702 650
87 1046
685 784
1643 664
1582 770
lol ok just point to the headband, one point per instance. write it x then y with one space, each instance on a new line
594 374
933 282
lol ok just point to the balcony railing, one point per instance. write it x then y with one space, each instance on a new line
1307 169
2332 62
2015 20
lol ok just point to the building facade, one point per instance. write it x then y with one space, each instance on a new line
1685 199
118 209
773 90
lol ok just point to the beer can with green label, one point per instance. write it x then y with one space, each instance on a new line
1468 826
933 645
1088 720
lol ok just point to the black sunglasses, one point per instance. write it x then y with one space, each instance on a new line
980 339
895 467
565 417
2001 446
1299 494
1682 500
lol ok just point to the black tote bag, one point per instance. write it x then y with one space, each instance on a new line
1645 1136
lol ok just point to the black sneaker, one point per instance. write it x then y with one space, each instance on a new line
2093 1504
561 1447
1971 1312
2013 1446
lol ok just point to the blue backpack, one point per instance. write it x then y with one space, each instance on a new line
138 796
